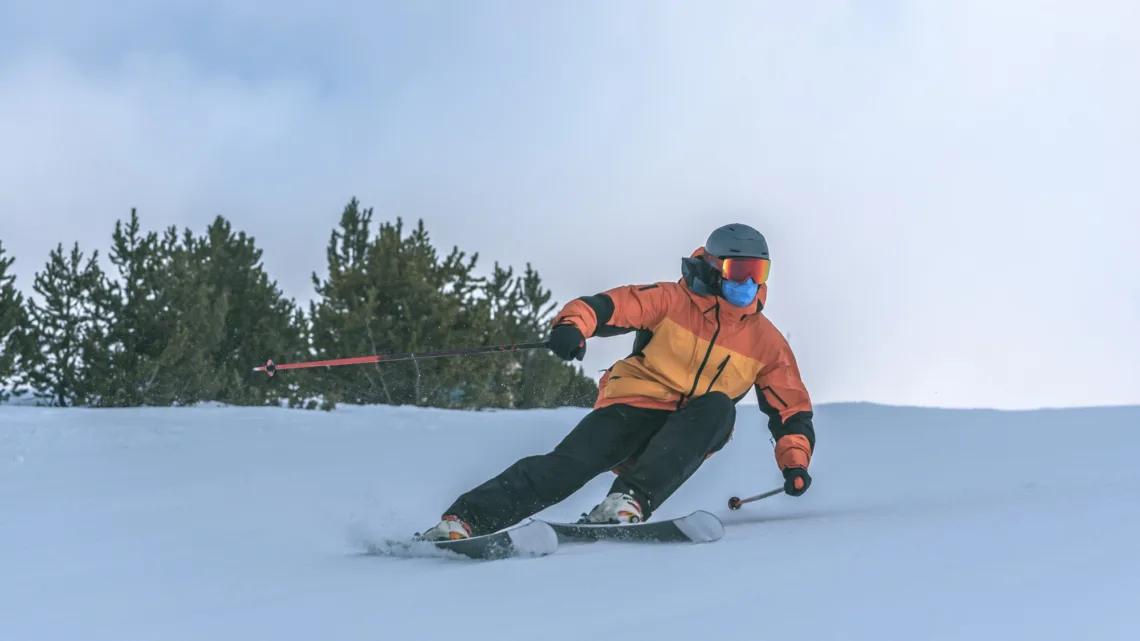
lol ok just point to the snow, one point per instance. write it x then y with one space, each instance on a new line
220 523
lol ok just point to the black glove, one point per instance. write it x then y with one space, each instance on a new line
567 342
796 481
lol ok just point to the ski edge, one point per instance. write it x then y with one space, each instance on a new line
699 526
529 540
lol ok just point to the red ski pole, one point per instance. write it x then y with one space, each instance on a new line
270 367
735 503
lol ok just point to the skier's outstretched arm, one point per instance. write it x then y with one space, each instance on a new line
785 400
609 313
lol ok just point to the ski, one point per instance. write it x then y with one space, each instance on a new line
698 527
533 539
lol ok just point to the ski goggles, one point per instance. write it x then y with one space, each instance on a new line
741 269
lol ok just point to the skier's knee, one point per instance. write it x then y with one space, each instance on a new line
716 412
716 404
720 445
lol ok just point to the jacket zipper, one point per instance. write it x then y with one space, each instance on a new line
719 371
708 353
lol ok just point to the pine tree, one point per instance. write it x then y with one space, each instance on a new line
13 322
177 367
545 380
393 292
338 323
502 294
522 312
134 334
434 304
259 322
166 323
68 328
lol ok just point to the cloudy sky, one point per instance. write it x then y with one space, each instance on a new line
950 189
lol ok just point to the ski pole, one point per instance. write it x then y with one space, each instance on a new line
270 367
735 503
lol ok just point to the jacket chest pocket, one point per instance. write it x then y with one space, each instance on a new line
733 375
718 372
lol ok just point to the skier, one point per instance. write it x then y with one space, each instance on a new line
701 343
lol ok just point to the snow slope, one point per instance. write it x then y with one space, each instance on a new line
211 524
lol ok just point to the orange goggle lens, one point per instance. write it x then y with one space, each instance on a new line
741 269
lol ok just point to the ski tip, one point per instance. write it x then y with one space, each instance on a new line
701 526
533 539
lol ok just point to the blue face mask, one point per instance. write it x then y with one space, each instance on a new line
739 294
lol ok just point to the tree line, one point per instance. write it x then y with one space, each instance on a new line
180 319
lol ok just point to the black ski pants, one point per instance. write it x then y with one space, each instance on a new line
663 448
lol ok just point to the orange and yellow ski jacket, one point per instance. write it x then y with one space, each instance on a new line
688 345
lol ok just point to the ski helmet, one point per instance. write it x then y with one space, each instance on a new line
736 240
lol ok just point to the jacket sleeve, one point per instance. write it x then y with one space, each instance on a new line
619 310
785 400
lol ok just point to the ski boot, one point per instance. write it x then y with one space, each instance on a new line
616 509
448 529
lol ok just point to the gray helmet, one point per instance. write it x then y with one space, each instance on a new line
736 239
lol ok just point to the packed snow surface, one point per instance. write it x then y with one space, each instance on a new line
213 523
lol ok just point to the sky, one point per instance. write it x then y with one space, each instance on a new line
949 190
